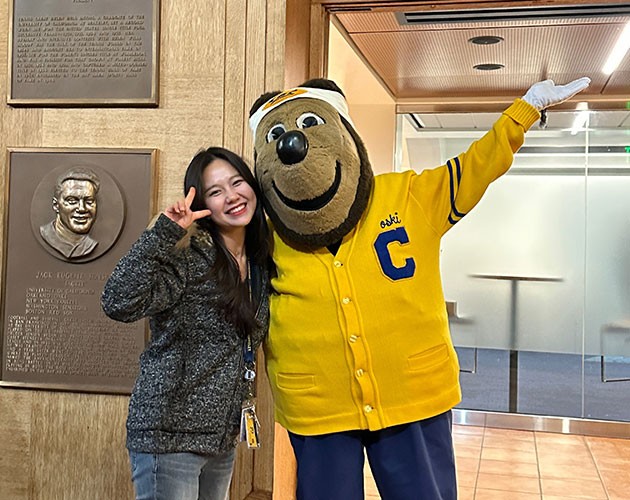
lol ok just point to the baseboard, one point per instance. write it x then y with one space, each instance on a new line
562 425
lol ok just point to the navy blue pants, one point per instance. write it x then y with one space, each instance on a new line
409 462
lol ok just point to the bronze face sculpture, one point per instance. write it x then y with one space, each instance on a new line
75 205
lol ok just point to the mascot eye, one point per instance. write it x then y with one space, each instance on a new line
275 132
309 120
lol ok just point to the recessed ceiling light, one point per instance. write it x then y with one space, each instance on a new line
488 66
485 40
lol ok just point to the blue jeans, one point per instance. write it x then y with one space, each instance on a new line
181 476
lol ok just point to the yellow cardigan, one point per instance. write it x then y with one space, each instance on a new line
360 339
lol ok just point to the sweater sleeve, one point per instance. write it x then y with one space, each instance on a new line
150 277
448 193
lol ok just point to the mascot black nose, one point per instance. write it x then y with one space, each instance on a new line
292 147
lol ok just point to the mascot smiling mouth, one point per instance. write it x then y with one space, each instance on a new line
315 203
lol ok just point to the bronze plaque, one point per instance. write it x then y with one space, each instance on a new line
83 52
72 214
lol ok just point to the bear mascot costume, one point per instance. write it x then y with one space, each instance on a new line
359 353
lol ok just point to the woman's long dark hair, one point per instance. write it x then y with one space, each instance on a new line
234 296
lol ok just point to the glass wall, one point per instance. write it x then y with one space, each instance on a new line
537 276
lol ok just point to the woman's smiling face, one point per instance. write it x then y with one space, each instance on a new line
228 196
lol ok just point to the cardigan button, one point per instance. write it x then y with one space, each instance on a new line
346 300
367 409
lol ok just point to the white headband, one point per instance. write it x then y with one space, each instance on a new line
335 99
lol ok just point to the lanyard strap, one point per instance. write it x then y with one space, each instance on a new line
248 349
250 368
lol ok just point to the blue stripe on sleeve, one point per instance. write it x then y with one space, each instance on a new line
454 179
451 181
459 178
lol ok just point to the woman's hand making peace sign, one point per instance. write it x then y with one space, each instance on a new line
181 213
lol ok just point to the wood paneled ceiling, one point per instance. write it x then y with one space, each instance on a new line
431 60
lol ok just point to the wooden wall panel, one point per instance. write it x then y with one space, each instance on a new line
255 77
297 47
318 49
214 62
72 455
275 44
109 448
15 453
235 73
262 472
284 467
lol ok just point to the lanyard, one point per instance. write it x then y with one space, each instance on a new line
248 352
250 427
250 367
248 349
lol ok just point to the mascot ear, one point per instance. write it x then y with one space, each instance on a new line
322 83
262 100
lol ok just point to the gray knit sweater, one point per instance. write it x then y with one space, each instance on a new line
188 394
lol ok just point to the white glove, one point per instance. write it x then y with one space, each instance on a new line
541 95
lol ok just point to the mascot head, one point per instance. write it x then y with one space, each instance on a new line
311 164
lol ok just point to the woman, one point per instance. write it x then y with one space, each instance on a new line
206 297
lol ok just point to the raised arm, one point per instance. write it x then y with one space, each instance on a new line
448 193
150 277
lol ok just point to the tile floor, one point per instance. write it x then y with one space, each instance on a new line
503 464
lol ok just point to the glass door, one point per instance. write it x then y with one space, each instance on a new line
537 276
607 299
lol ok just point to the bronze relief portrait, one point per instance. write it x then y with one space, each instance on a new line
77 212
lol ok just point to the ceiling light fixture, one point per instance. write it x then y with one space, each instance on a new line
485 40
488 66
618 52
509 14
